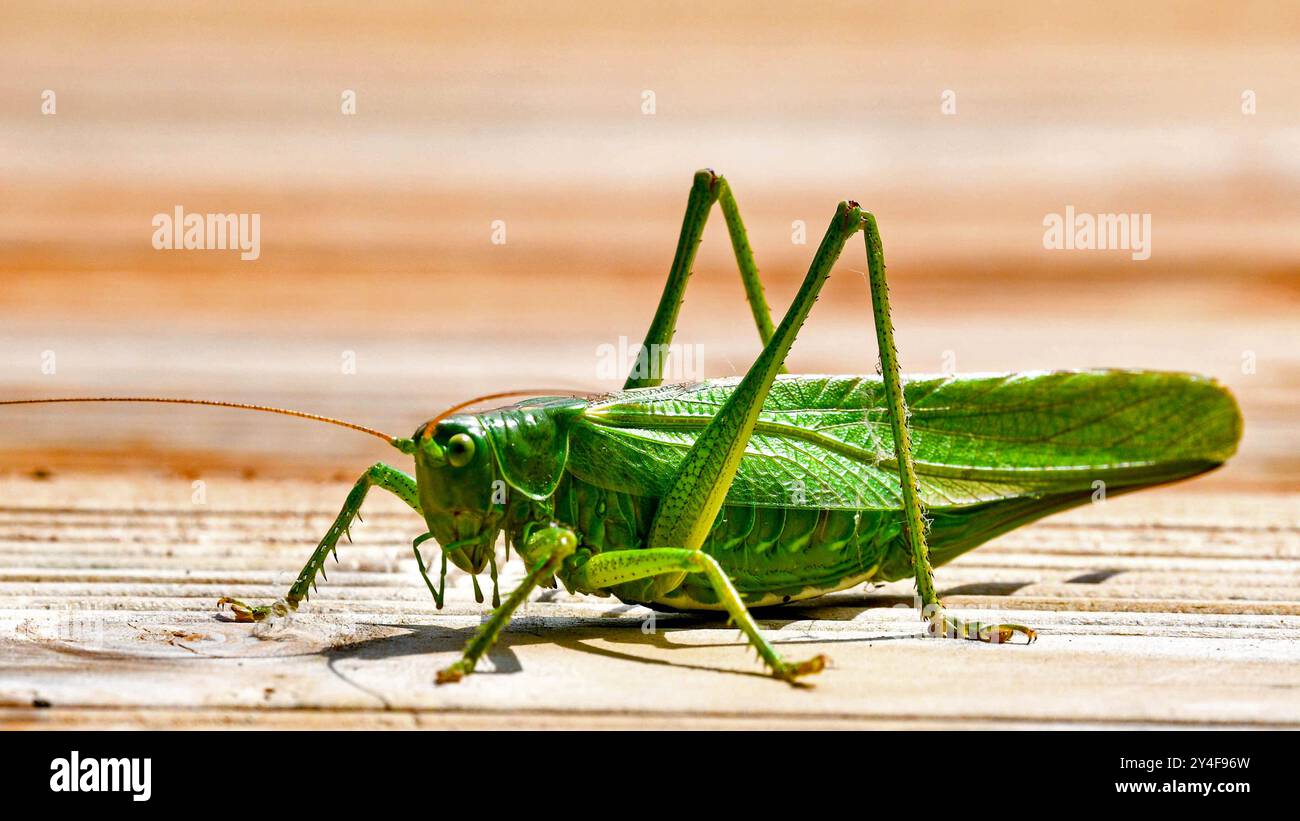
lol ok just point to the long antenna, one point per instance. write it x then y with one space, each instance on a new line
210 403
493 396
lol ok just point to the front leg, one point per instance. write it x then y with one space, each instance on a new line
546 551
379 475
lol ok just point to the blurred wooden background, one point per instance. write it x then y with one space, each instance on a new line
376 227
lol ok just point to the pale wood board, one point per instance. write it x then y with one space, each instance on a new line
1174 608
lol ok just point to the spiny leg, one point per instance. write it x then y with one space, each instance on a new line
609 569
687 511
379 475
706 189
546 551
913 521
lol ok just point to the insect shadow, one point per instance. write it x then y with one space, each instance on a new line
430 639
849 604
617 628
632 635
569 634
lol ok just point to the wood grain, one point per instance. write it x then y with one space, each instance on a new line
1177 609
1171 608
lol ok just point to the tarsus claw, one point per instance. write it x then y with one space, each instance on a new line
245 613
814 665
1000 633
238 609
945 626
454 673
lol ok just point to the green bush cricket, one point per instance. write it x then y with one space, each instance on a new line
767 489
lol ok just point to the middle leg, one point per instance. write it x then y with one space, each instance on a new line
617 567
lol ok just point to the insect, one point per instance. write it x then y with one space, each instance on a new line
737 493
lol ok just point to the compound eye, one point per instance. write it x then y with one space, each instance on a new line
460 450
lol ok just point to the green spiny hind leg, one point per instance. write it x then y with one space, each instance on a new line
614 568
379 475
545 552
706 189
941 624
688 510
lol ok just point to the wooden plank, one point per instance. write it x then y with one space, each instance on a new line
1170 608
107 595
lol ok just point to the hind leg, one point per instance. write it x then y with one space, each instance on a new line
941 624
707 188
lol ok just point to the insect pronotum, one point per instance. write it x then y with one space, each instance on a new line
735 493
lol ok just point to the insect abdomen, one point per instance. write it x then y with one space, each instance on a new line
772 555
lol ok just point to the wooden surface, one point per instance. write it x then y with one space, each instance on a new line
1180 609
1174 607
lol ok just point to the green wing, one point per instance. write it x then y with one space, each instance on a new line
825 442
